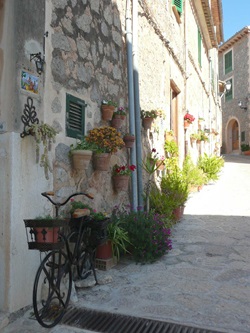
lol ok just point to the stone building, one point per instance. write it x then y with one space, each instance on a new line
86 53
234 67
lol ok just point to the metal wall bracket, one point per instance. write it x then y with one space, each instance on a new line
29 117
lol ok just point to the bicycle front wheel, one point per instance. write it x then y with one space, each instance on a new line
52 289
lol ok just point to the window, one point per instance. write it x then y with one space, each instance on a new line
199 47
178 5
75 117
243 136
229 93
228 62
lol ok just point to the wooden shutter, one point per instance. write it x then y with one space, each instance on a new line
178 5
75 117
228 62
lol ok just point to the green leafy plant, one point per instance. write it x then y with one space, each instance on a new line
194 175
109 102
175 186
119 237
106 139
245 147
211 166
172 154
82 145
149 114
43 134
148 234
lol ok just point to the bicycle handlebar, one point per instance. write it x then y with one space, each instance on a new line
59 204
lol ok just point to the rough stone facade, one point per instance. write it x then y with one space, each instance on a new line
85 56
235 121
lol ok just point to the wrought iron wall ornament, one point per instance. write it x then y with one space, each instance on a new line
29 117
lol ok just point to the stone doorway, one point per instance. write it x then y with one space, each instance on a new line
232 135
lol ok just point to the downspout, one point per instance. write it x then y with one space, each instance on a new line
209 101
131 106
137 105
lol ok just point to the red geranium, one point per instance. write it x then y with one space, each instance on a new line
123 169
189 118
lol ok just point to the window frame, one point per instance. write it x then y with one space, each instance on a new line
229 68
75 120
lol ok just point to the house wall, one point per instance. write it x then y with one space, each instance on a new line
85 56
240 76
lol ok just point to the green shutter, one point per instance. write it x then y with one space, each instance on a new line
229 94
178 4
75 117
228 62
199 47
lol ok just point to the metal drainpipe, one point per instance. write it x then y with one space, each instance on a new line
137 104
209 101
134 199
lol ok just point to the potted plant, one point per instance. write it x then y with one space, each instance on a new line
121 175
108 108
81 154
169 135
194 137
43 134
44 231
121 112
188 119
129 140
200 120
107 141
148 117
175 186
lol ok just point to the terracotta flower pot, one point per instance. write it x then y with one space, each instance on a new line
121 182
46 235
178 213
104 251
81 159
186 124
117 121
147 122
101 161
107 112
129 140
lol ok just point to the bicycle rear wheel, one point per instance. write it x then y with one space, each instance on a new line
52 289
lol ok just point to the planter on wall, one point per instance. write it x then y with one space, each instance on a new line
101 161
81 159
107 112
147 122
186 124
121 182
129 140
117 121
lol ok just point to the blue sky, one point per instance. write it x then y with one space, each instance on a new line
236 15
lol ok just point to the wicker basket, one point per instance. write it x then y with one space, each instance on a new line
44 235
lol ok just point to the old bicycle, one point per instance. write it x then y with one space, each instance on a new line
70 243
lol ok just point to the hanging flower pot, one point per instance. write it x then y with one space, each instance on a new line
101 161
147 122
186 124
107 112
129 140
121 182
117 121
81 159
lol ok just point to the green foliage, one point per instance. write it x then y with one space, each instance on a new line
149 114
82 145
245 147
147 233
119 237
110 102
172 153
211 166
175 187
194 175
162 204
